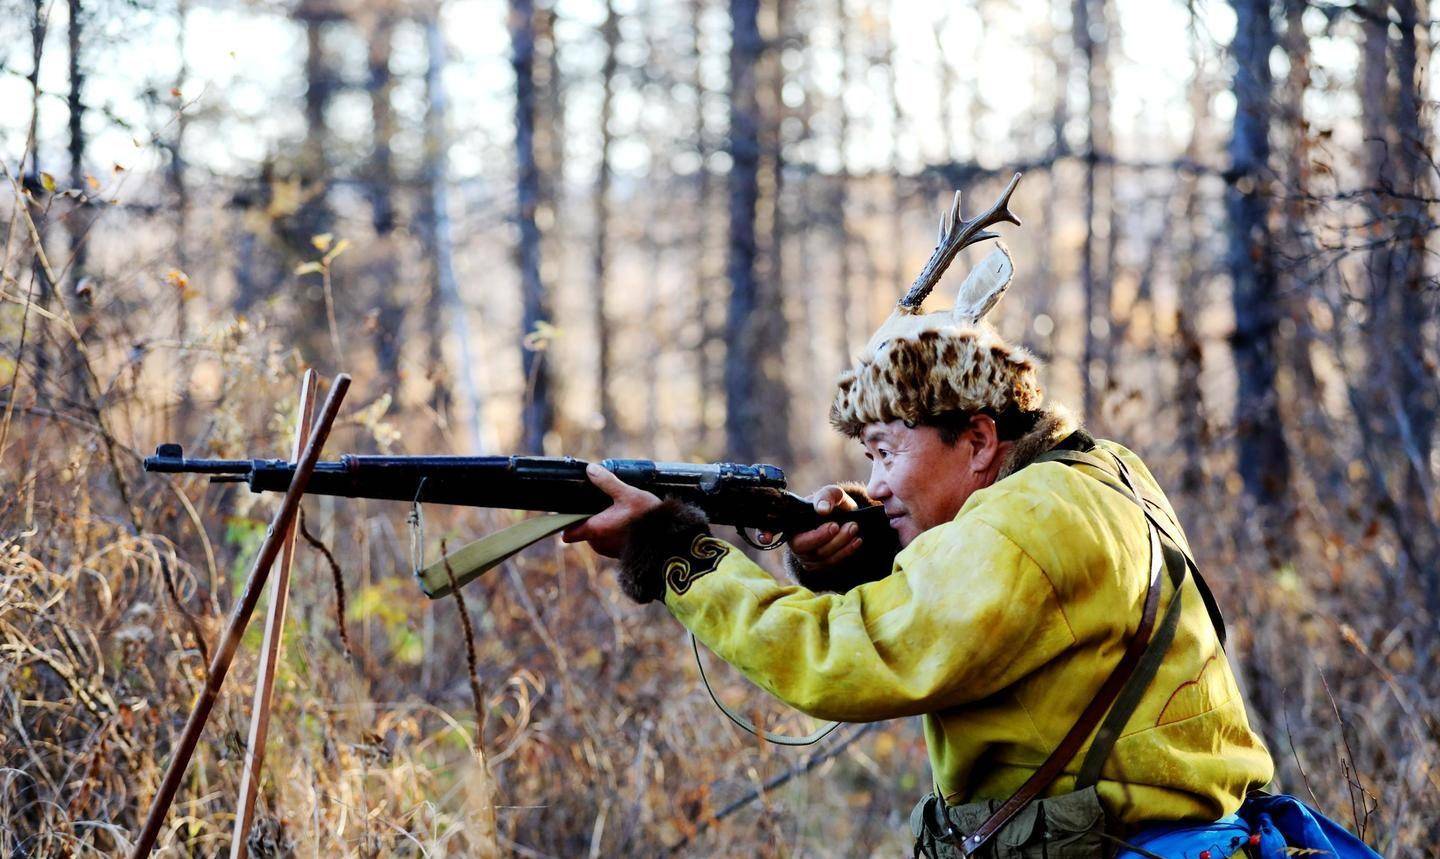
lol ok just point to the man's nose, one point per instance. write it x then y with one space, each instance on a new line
877 488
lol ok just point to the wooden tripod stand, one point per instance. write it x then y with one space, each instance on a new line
279 535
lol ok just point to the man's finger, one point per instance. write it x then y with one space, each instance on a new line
846 551
827 498
608 482
807 542
845 537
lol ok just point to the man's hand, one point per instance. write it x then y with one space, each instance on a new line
828 545
608 531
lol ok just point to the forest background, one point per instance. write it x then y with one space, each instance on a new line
659 228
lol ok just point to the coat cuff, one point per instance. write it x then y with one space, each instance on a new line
670 547
874 560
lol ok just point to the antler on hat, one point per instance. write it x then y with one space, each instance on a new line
926 364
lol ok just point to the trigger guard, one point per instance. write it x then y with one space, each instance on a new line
756 544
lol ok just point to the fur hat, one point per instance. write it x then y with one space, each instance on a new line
924 364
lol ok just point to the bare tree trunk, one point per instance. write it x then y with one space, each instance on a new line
743 330
314 216
897 193
774 396
77 224
75 100
709 372
444 299
1413 168
180 196
550 135
537 414
1264 459
1095 366
610 34
1085 45
389 312
1415 396
845 293
1191 422
1303 402
39 193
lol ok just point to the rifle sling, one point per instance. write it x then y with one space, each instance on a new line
750 727
472 560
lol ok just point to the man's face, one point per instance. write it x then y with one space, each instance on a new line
922 481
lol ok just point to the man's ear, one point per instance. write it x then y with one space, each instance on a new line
983 436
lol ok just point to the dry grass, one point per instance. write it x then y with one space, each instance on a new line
597 738
593 735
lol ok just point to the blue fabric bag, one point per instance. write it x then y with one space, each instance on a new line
1283 823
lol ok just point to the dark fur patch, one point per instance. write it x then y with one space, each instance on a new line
666 533
874 561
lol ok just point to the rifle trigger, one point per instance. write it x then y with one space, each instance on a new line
756 544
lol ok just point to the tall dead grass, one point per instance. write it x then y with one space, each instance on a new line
592 735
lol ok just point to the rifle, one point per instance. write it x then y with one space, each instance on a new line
742 496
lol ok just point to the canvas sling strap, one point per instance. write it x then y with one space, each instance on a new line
1122 690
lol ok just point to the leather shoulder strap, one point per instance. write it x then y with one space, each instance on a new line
1110 690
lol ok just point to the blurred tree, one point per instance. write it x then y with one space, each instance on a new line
312 215
1264 459
75 101
1091 24
1192 421
34 182
773 398
443 300
844 289
610 37
387 317
755 400
1398 406
709 304
741 376
180 202
1415 369
537 411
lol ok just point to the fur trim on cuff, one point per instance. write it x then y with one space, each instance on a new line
873 562
670 543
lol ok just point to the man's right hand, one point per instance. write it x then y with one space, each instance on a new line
824 547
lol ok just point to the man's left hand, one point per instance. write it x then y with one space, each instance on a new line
608 532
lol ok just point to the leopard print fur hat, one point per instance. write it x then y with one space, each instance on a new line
923 364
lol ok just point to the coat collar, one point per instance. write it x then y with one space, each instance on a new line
1055 423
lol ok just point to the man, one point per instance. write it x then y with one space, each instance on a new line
1026 593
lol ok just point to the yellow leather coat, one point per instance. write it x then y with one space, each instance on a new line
997 628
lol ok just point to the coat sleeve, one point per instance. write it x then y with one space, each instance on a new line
963 614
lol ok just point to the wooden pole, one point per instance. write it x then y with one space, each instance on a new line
270 648
239 617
